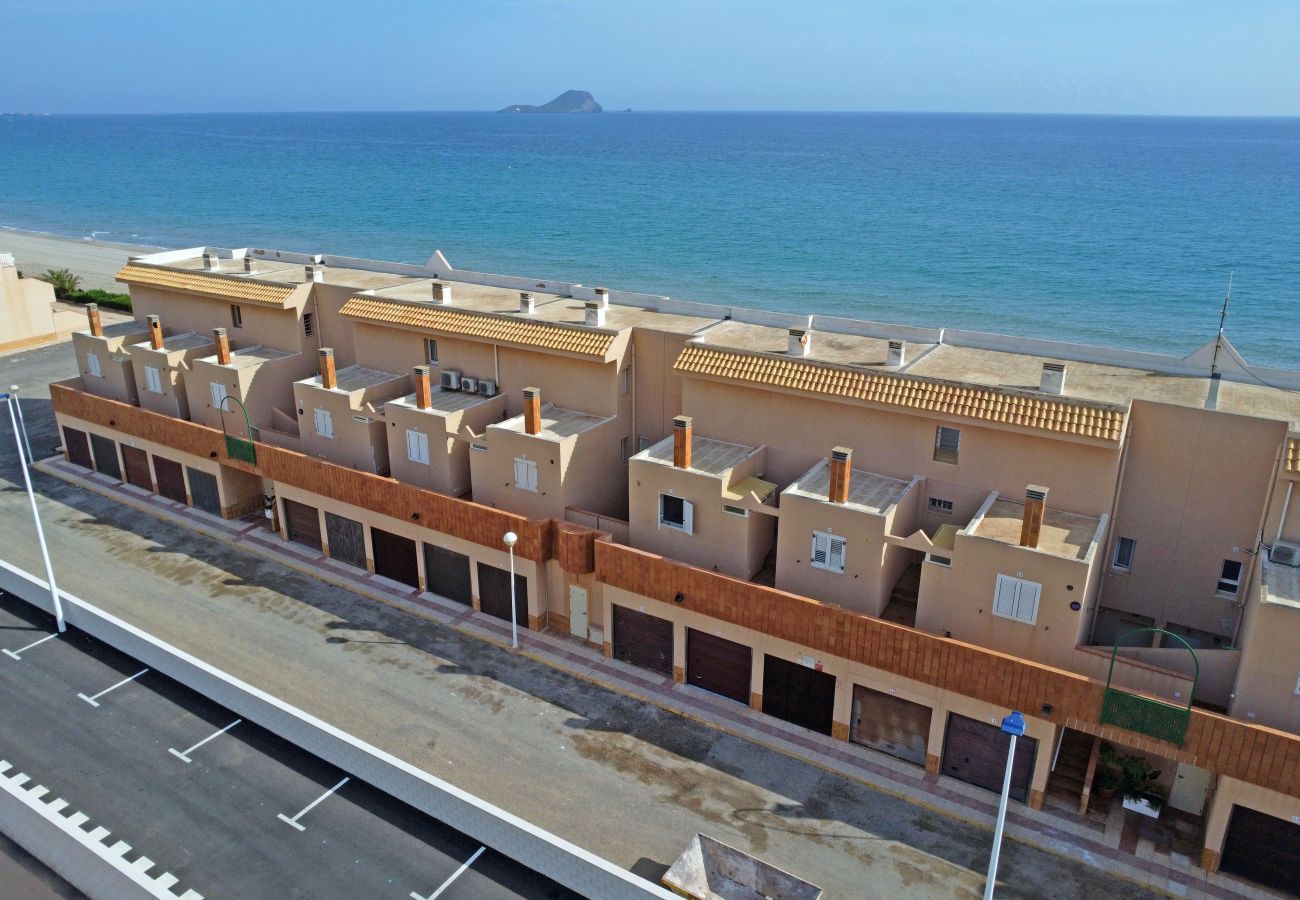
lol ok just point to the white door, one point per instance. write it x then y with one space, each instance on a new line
578 611
1189 790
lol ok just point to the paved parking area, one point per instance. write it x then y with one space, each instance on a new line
221 804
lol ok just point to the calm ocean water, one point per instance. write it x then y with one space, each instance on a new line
1117 231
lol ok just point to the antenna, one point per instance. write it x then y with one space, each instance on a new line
1223 315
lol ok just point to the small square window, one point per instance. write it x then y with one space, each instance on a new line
324 423
947 443
674 512
308 324
417 446
1016 598
735 510
625 380
828 552
219 394
431 351
1123 558
943 507
236 316
153 379
526 474
1229 577
92 365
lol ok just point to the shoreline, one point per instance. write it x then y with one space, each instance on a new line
96 261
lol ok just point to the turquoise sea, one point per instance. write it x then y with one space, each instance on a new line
1114 231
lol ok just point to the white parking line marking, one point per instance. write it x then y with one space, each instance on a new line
454 875
17 654
308 808
185 754
93 700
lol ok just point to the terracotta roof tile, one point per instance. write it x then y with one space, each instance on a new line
499 329
1293 454
213 285
1058 414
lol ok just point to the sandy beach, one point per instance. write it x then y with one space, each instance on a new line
95 261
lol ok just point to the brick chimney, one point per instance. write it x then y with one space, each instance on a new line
1053 380
527 304
896 354
327 379
595 314
800 342
223 346
602 297
532 410
1035 509
155 332
441 292
423 393
92 316
682 439
841 464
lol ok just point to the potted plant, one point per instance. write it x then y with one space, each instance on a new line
1138 784
1107 783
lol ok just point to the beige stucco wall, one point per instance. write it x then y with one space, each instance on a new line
801 430
359 445
117 381
1269 675
448 471
860 586
657 388
1231 791
1283 518
262 389
267 325
25 308
1194 488
172 365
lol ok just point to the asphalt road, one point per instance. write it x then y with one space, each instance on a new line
218 822
618 776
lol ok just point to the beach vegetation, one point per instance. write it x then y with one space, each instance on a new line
103 298
63 281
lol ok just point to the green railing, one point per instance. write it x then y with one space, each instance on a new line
1146 715
236 447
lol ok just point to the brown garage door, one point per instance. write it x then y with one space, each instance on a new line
203 491
137 467
494 594
719 665
643 640
347 540
890 724
1264 849
446 573
395 557
171 479
78 446
976 752
302 522
798 694
106 456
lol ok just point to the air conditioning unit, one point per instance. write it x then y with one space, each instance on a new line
469 385
487 387
451 379
1285 554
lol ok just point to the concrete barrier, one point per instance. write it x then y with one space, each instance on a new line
539 850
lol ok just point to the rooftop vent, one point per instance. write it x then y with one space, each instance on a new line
315 273
441 292
896 354
602 296
595 313
1053 378
841 463
800 342
248 264
211 262
527 304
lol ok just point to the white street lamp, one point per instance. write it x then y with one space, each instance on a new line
12 402
1013 725
510 540
13 392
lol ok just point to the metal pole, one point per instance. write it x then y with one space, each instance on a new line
36 517
514 613
1002 818
13 391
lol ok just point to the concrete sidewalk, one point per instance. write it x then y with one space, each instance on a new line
1107 844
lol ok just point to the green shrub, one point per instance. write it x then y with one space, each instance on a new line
102 297
64 282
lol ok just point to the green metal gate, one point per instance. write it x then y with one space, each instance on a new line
1146 715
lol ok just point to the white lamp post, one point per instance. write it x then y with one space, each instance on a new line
510 540
12 401
1013 725
22 426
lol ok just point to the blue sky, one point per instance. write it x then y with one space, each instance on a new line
1178 57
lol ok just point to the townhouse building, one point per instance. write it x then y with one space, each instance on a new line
890 535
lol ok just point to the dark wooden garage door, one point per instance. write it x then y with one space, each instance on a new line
890 724
798 694
302 523
494 594
203 491
643 640
78 447
171 479
347 540
446 573
976 752
106 456
395 557
719 665
137 467
1264 849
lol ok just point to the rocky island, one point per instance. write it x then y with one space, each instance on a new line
568 102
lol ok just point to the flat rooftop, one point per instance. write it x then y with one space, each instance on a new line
708 456
868 492
188 340
355 378
441 402
1281 584
826 346
1068 535
250 357
558 424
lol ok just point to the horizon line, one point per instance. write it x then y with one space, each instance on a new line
624 111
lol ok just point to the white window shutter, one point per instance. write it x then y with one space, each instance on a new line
688 517
218 395
1027 602
1004 599
836 556
819 549
92 365
153 379
324 423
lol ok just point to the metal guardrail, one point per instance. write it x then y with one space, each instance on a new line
1154 718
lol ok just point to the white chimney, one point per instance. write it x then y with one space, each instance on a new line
441 291
602 297
896 355
248 264
800 342
1053 378
527 304
315 273
595 313
211 262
